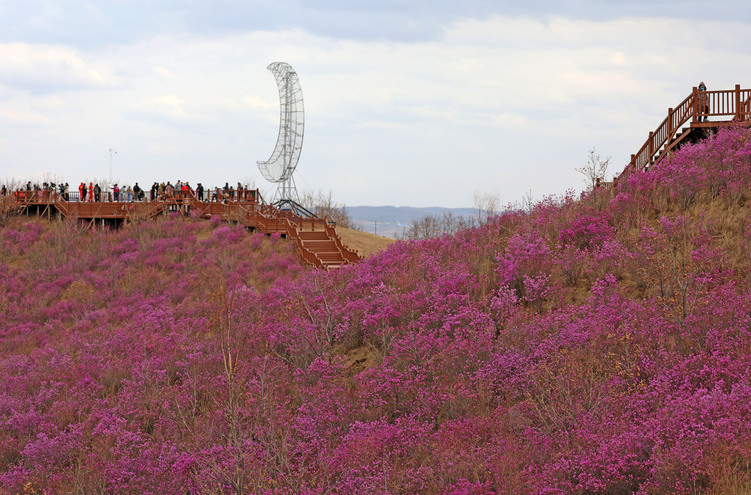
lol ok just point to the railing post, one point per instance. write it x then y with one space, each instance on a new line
670 125
738 102
632 163
651 145
694 105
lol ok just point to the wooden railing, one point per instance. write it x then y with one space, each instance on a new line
350 256
744 115
244 209
62 205
306 254
732 103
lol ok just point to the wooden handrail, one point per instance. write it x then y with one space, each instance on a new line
349 255
734 103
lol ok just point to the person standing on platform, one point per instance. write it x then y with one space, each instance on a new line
703 101
91 192
116 193
97 192
83 191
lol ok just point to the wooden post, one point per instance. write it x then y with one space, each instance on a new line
651 145
670 125
632 163
738 109
695 105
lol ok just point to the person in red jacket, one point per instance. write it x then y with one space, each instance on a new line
91 192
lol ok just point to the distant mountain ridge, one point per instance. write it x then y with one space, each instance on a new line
388 221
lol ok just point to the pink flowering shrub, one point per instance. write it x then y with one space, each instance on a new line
580 347
587 230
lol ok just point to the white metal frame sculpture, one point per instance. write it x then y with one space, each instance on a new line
283 161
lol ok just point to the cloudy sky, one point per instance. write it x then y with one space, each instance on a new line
407 102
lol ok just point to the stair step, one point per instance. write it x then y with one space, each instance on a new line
313 235
328 254
338 259
320 245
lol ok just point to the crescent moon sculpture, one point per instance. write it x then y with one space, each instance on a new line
283 161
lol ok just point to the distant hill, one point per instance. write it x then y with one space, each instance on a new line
388 221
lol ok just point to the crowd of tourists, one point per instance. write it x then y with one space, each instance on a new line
92 192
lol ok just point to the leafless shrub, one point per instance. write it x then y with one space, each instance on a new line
595 169
8 208
323 205
437 225
486 205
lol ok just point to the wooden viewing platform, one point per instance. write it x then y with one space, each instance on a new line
727 107
315 239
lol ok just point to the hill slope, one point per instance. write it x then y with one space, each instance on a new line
593 345
363 242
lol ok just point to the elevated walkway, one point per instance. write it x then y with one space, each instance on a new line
690 121
315 239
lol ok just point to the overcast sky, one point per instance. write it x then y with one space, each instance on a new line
407 103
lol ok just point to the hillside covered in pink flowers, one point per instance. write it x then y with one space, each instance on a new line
593 345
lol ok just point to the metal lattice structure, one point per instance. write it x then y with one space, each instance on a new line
283 162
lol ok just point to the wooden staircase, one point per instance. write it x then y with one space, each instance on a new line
324 247
315 239
726 108
685 135
317 244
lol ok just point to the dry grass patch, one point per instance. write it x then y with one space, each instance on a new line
363 242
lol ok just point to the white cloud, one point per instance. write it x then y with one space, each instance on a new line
255 102
170 106
163 73
511 103
47 68
13 117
